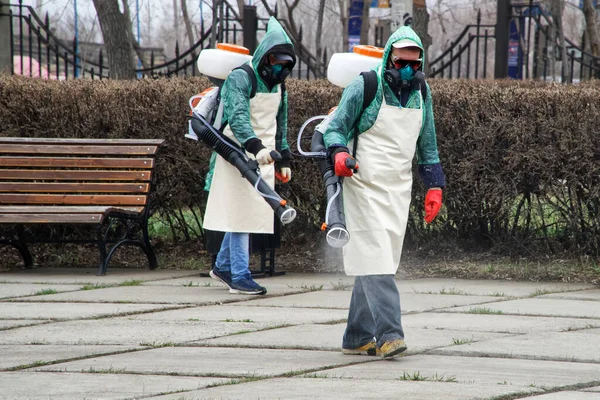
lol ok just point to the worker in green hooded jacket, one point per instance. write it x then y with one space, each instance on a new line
377 187
259 125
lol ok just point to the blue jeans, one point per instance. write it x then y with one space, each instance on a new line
234 256
374 312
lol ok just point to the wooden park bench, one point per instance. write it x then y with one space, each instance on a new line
99 183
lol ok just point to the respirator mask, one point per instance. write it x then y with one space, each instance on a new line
404 74
274 74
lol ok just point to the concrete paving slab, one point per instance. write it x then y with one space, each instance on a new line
579 346
327 389
494 323
593 295
115 331
155 295
490 371
15 323
66 386
84 276
289 280
17 356
214 361
329 337
8 290
411 302
44 311
486 287
566 396
537 306
268 315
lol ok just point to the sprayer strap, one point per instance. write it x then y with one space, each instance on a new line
252 76
369 92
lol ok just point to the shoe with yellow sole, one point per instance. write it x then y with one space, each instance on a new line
369 349
391 348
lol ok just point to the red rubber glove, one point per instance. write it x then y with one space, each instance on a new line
433 203
344 163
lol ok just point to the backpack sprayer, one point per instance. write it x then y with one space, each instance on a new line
342 69
209 111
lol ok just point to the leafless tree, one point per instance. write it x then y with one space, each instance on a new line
118 39
591 26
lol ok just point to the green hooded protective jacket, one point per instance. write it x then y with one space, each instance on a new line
237 89
341 128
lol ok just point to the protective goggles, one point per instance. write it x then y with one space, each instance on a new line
399 63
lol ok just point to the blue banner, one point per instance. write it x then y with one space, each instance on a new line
515 52
354 22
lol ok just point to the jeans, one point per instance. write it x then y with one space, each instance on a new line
234 256
374 312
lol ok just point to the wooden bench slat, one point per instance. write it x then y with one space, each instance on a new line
75 162
111 142
75 175
34 209
43 187
76 149
72 199
51 218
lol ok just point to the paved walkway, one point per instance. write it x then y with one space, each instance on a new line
138 334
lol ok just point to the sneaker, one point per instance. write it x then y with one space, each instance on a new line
391 348
369 349
246 285
223 277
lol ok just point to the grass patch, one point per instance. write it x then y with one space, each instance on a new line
457 341
131 282
484 310
236 320
453 291
311 288
45 291
158 345
340 285
416 376
92 286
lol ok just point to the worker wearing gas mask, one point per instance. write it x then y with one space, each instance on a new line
259 123
377 189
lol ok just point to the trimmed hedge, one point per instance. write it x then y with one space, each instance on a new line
522 159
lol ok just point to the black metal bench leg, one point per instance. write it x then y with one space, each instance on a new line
22 248
102 248
147 247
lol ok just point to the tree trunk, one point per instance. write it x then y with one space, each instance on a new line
116 32
556 8
343 4
188 24
421 26
591 26
365 23
318 39
215 17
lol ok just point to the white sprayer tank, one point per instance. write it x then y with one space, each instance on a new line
343 68
218 63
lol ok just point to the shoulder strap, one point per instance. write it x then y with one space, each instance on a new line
369 92
370 78
251 75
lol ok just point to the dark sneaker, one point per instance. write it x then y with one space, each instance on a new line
391 348
369 349
246 286
223 277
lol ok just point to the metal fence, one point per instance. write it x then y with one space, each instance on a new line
533 49
37 52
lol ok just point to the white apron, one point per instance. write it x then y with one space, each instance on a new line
377 198
233 203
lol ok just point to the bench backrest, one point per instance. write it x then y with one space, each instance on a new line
77 172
